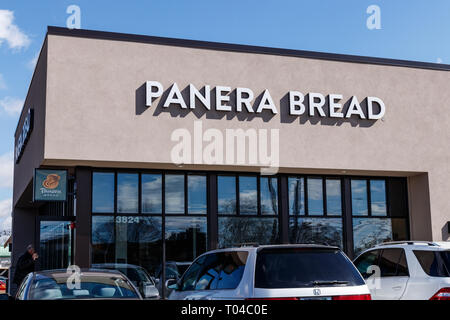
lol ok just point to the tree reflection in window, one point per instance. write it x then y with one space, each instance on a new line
237 230
269 195
296 196
316 230
248 196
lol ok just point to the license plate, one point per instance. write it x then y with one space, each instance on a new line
315 298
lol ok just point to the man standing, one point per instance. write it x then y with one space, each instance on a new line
25 265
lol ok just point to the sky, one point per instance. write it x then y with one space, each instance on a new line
404 29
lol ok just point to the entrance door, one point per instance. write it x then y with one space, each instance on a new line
55 244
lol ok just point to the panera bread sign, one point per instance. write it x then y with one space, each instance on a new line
50 185
312 104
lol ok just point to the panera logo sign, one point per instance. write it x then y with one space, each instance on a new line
312 104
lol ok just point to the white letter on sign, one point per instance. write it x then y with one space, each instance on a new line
152 94
296 99
370 101
175 97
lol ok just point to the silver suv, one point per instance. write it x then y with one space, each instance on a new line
291 272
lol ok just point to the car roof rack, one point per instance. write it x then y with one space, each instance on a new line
410 242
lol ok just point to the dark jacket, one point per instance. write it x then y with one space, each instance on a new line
24 266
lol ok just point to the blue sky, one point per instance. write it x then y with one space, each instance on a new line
410 29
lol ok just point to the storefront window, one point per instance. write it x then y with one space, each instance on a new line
127 239
103 241
103 192
316 230
296 196
185 238
226 195
334 198
378 197
127 193
174 193
151 193
269 196
196 194
237 230
139 241
315 197
359 197
248 195
368 232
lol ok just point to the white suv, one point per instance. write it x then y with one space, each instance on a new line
410 270
280 272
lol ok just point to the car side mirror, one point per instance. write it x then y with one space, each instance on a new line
172 284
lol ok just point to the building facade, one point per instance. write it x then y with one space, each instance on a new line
174 147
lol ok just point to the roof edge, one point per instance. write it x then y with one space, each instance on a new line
106 35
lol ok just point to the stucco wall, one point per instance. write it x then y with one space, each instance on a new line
94 112
33 151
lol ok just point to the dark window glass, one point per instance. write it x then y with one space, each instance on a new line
237 230
185 238
398 200
196 194
191 275
378 197
334 199
367 260
368 232
315 197
269 195
103 241
127 192
388 262
316 230
226 194
248 197
151 193
103 192
402 268
300 268
174 193
296 196
139 241
434 263
359 197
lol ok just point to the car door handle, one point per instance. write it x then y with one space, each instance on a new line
397 287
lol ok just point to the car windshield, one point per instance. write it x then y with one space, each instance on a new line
91 286
304 267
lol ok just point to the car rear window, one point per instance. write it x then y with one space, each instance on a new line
300 267
434 263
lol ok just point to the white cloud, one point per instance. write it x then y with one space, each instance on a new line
6 171
12 106
10 32
2 82
5 208
6 224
